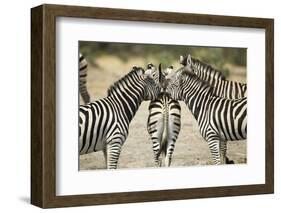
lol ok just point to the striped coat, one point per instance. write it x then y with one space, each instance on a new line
221 87
83 72
219 119
104 124
164 122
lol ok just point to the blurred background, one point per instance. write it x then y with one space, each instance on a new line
108 62
221 58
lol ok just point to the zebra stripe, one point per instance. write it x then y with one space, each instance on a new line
163 126
164 123
221 86
104 124
219 119
83 70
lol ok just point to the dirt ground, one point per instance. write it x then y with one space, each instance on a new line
191 149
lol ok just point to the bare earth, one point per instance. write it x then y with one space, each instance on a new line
191 148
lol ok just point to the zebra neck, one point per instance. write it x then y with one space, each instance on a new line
127 99
206 72
209 75
196 97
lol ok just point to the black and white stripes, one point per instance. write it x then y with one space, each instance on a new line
219 119
83 72
164 123
221 87
104 124
218 105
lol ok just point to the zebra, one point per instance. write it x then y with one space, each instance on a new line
83 69
104 124
221 86
219 119
164 123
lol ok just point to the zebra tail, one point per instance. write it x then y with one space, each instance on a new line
163 149
164 140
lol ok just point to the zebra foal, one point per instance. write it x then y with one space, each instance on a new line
164 122
219 119
104 124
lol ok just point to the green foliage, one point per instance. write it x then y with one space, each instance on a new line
217 57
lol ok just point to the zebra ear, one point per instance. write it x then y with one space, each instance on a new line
134 67
160 73
188 60
150 66
182 60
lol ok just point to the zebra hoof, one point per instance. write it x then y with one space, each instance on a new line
229 161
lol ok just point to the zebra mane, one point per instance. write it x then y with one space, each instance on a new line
193 76
196 61
117 84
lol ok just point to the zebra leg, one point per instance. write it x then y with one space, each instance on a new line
105 156
224 158
169 153
113 150
168 160
156 152
228 161
214 146
223 148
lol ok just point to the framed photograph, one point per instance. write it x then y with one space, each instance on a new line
136 106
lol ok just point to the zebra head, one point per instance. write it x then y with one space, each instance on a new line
176 82
164 76
150 78
152 72
189 62
166 72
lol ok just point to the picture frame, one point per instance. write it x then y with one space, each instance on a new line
43 105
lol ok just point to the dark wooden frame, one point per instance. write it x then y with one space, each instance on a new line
43 105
